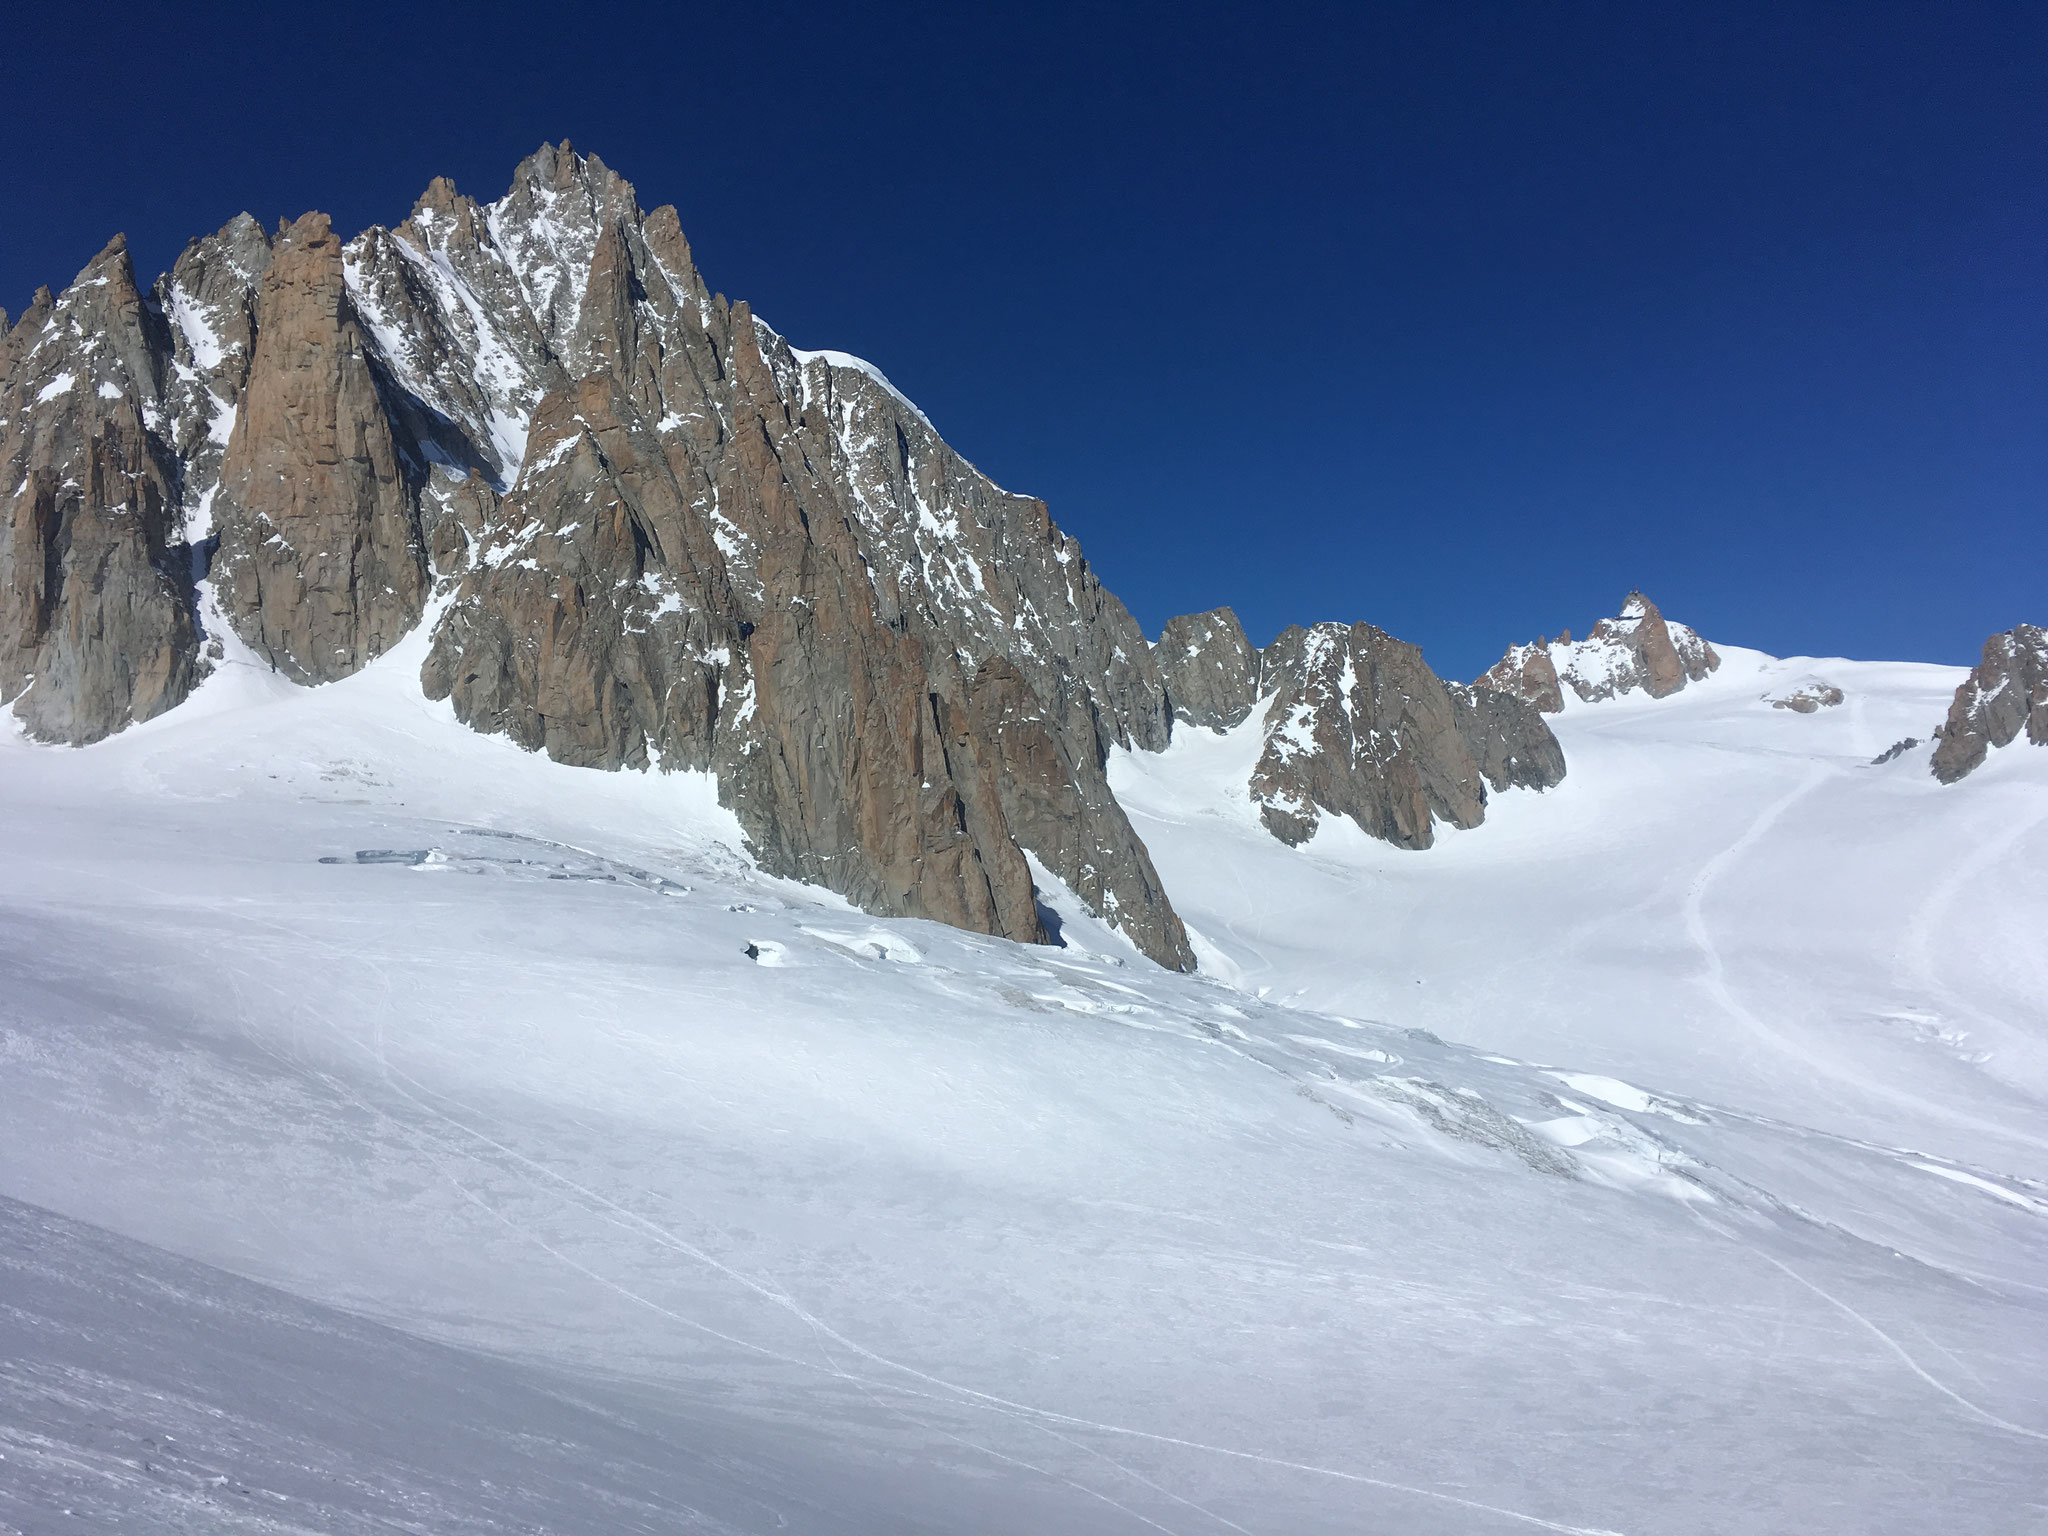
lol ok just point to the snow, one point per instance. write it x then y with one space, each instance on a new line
395 1129
197 329
55 387
858 365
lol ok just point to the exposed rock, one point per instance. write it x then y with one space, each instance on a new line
95 612
1209 668
208 301
321 564
719 552
1808 697
1896 750
1360 725
1529 673
1637 649
1060 806
2006 694
1355 723
1507 738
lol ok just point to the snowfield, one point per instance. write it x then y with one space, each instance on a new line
399 1131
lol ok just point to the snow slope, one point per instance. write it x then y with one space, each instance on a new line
396 1131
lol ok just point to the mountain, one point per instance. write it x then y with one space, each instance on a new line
1355 723
644 532
633 944
1637 649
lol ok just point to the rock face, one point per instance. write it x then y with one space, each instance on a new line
715 551
1210 669
321 565
1637 649
96 623
2006 695
1356 724
662 538
650 534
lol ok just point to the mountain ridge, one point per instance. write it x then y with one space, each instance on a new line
649 533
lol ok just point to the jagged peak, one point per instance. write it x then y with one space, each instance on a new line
111 264
1637 648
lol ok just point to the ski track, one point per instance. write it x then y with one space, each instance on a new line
417 1094
781 1299
1917 960
1890 1343
1714 977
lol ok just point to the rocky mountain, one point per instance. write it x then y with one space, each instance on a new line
1356 724
2005 695
1639 648
648 533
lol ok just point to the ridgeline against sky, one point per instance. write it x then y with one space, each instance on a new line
1454 319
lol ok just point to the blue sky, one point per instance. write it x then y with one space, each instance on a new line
1461 319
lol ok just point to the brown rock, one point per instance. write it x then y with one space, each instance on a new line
1809 698
321 564
1059 805
1528 672
1637 649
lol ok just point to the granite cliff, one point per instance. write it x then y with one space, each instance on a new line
649 534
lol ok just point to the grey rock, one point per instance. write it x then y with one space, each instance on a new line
1808 697
95 609
1507 738
1359 725
1210 670
2005 695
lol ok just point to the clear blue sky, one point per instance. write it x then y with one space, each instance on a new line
1462 319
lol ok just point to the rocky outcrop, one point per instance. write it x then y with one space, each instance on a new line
1808 697
1638 649
322 565
1210 670
1529 673
1507 738
95 603
1360 726
716 551
1355 723
666 539
2004 696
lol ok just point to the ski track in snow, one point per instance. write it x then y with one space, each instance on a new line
1917 960
410 1089
1890 1343
1344 1256
1714 975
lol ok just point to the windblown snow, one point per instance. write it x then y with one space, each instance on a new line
399 1131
